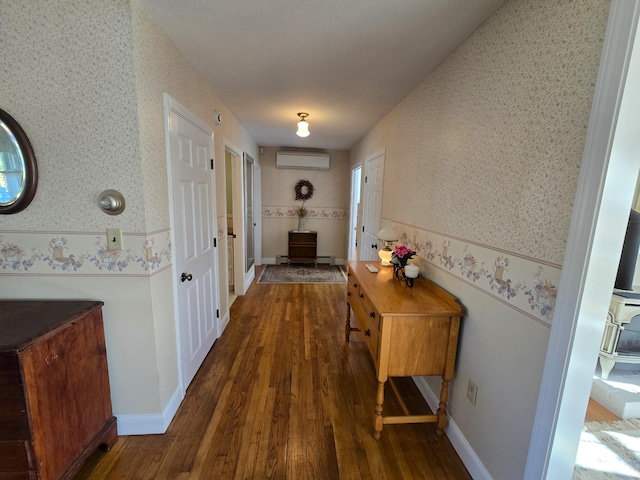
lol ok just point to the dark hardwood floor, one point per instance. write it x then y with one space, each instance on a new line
281 395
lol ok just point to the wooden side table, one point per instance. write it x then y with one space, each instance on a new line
303 247
409 331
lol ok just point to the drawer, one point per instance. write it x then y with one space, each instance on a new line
372 315
371 337
366 325
353 281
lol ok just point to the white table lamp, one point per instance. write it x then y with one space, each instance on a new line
388 235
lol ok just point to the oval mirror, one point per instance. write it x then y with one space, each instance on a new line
18 168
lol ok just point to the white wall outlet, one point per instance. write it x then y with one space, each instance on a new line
472 391
114 238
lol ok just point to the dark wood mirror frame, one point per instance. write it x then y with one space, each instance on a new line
30 166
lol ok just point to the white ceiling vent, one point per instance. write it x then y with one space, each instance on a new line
303 160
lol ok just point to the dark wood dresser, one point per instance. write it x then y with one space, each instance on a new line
303 247
55 403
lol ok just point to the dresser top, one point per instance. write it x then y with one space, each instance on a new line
22 321
391 296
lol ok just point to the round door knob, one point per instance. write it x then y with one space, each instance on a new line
186 276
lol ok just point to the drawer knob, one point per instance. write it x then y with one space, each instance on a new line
361 295
372 314
367 332
348 294
355 285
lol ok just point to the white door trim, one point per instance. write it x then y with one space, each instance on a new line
238 214
605 192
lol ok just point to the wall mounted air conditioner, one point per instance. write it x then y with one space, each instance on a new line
303 160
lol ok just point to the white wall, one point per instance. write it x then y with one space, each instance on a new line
482 165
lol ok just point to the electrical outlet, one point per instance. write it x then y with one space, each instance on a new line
472 391
114 238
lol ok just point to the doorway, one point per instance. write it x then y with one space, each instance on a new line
231 236
354 213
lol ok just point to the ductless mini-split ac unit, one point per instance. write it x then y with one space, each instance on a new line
303 160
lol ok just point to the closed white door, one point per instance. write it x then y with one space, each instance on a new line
193 224
371 206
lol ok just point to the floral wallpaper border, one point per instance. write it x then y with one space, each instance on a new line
526 284
313 212
62 253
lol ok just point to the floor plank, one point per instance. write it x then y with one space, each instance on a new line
281 395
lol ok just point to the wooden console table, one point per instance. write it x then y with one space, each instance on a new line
303 247
55 403
409 331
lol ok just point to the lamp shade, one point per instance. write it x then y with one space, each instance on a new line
303 125
303 129
388 234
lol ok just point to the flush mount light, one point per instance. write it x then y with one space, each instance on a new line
303 126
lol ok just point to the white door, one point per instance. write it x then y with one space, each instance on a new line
192 184
354 220
371 206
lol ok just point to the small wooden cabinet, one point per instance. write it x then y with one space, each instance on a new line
409 331
55 404
303 247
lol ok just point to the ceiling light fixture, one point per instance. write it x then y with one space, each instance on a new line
303 125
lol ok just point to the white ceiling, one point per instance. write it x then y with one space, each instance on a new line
345 62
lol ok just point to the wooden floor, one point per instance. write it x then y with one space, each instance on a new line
597 413
281 395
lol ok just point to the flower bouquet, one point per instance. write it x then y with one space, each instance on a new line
401 255
399 259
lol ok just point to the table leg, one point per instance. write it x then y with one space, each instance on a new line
442 408
378 419
347 327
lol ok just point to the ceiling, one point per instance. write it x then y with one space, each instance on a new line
346 63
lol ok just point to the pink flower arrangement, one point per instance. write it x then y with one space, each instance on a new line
402 254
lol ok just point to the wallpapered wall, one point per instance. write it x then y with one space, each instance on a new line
78 109
85 80
493 150
481 167
328 209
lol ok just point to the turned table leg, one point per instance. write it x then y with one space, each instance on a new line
347 327
378 419
442 407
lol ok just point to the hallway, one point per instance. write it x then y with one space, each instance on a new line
281 395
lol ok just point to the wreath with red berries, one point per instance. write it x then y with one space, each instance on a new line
304 190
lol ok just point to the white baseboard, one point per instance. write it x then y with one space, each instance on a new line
475 467
150 423
224 321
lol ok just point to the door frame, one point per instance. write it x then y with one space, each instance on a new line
605 191
356 185
171 105
238 216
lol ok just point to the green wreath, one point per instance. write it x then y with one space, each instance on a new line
304 190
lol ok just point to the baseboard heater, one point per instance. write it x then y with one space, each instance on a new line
325 260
